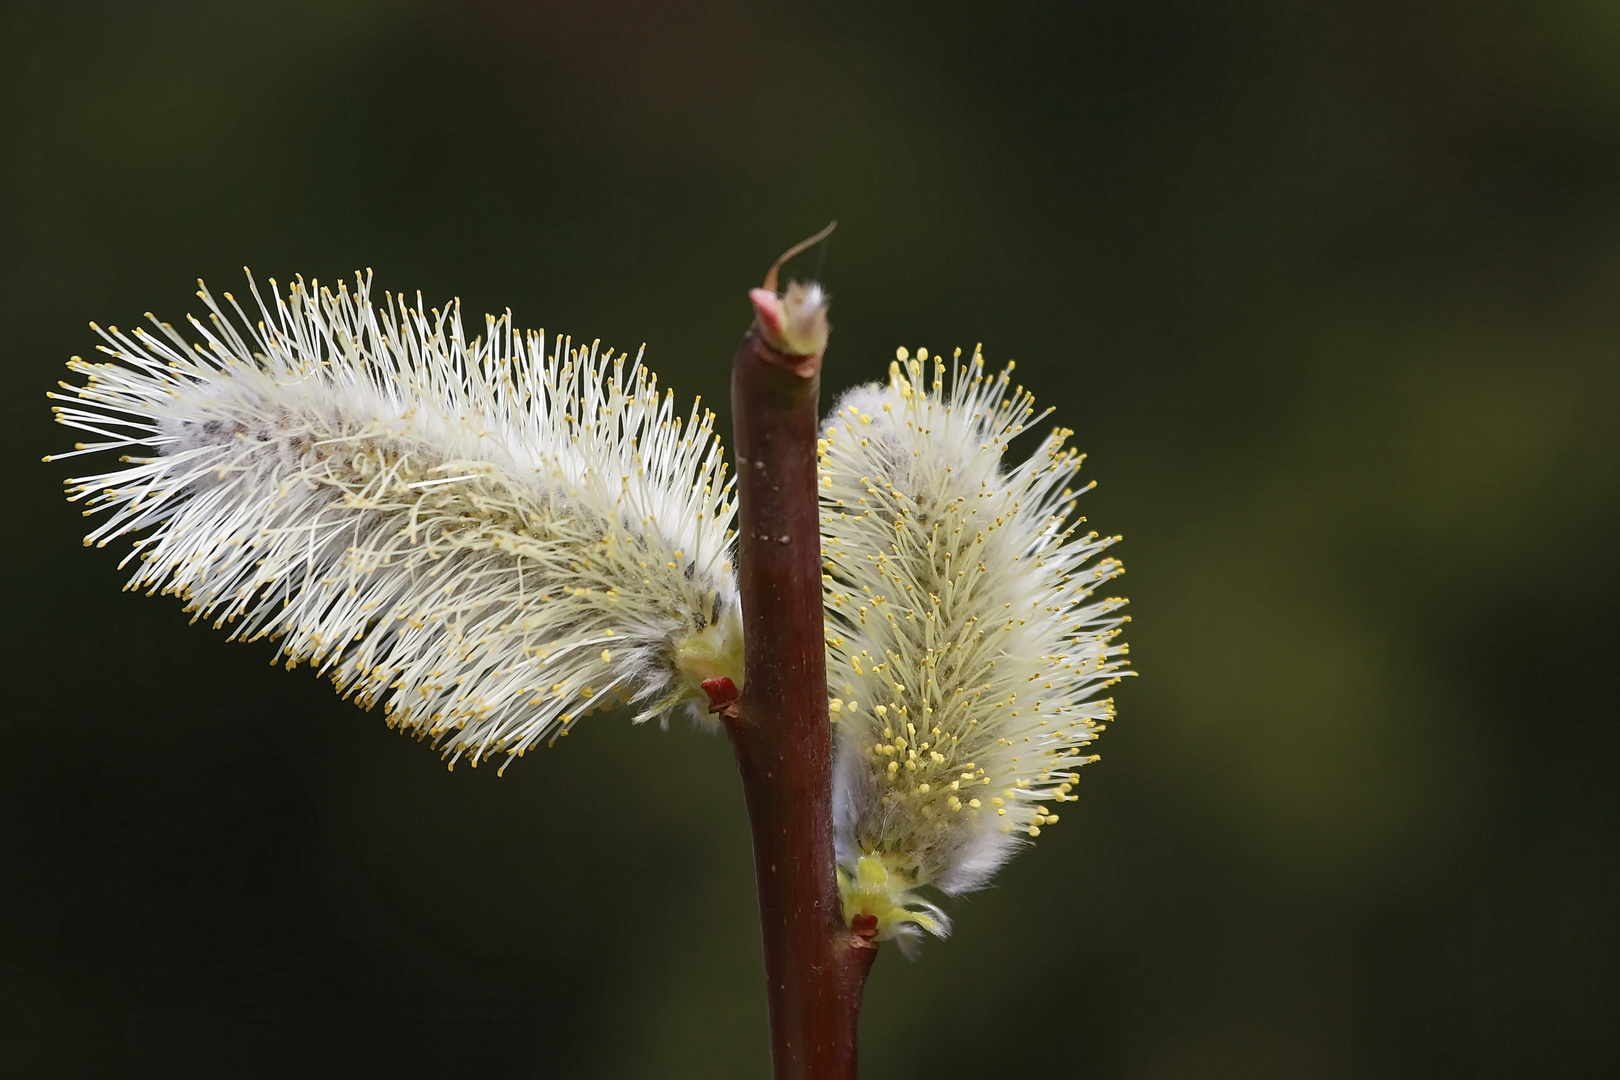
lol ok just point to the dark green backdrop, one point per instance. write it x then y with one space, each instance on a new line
1329 292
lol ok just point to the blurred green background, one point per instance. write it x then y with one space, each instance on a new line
1329 292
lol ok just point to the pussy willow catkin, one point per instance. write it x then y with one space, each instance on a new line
967 645
488 539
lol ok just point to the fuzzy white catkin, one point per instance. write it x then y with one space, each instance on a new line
967 645
488 539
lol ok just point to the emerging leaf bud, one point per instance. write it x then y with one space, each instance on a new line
794 323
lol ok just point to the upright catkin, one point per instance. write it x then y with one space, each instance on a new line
968 647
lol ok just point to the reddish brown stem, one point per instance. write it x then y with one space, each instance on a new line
779 729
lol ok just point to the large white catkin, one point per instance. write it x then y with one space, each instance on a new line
488 539
967 645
